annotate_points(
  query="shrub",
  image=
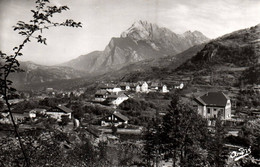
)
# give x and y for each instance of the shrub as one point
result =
(136, 105)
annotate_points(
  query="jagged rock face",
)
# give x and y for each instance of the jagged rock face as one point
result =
(141, 41)
(164, 39)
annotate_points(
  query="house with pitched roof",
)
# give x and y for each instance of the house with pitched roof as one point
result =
(110, 87)
(19, 116)
(114, 119)
(163, 88)
(59, 111)
(101, 95)
(142, 87)
(214, 104)
(125, 86)
(178, 85)
(153, 86)
(115, 99)
(133, 86)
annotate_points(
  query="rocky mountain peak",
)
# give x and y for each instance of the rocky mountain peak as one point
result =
(141, 41)
(139, 30)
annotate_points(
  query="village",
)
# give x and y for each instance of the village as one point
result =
(109, 97)
(118, 113)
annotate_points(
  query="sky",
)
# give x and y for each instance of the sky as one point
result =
(104, 19)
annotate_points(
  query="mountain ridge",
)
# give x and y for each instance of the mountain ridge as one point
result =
(35, 73)
(140, 42)
(230, 60)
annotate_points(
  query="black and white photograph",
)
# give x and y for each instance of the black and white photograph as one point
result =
(130, 83)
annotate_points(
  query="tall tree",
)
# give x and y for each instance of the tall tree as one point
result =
(184, 135)
(42, 20)
(251, 133)
(152, 146)
(217, 155)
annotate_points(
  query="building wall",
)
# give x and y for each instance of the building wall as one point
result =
(104, 123)
(99, 99)
(112, 120)
(119, 100)
(202, 111)
(144, 87)
(137, 89)
(32, 115)
(228, 110)
(116, 90)
(212, 112)
(127, 88)
(164, 89)
(57, 115)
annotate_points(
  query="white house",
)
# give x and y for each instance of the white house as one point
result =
(179, 86)
(214, 104)
(125, 86)
(59, 111)
(163, 88)
(114, 119)
(138, 88)
(144, 87)
(116, 89)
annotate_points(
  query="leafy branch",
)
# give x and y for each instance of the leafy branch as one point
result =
(9, 64)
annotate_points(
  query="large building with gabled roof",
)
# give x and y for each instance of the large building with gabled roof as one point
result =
(214, 104)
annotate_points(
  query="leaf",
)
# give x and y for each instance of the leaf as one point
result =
(12, 89)
(18, 64)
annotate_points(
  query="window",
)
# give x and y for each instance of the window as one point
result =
(109, 118)
(215, 109)
(208, 110)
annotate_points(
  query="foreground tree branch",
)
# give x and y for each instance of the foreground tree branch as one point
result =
(9, 63)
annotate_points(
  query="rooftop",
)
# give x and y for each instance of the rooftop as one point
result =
(101, 92)
(63, 108)
(118, 114)
(213, 99)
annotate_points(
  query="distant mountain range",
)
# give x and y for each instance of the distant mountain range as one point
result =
(35, 73)
(142, 41)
